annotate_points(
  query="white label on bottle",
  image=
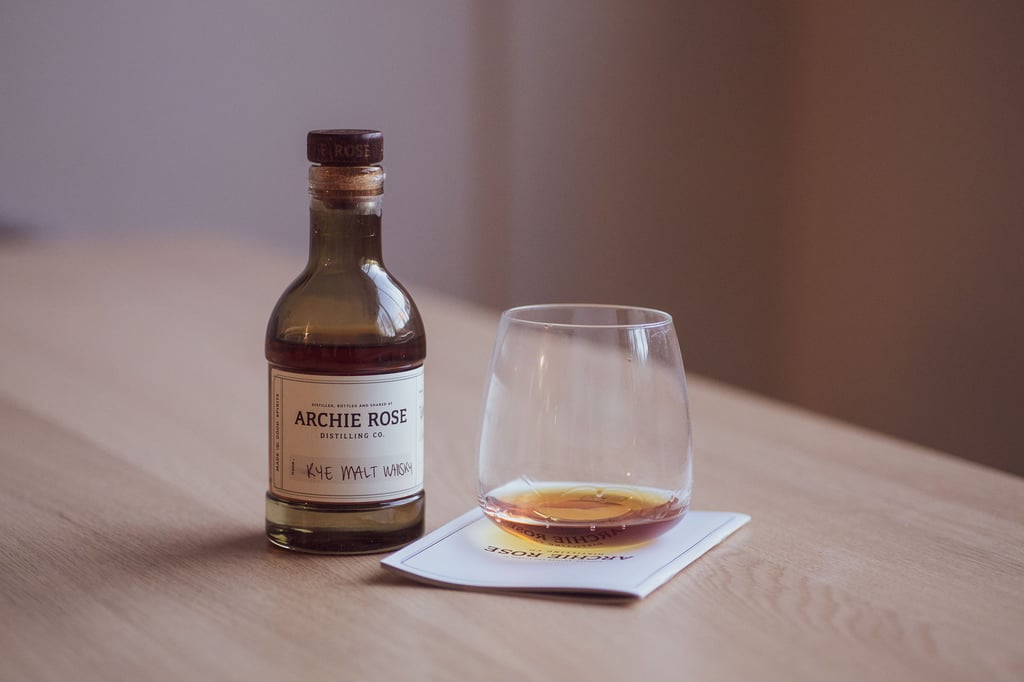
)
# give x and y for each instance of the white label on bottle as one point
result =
(346, 438)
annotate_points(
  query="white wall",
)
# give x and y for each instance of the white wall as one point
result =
(130, 116)
(904, 221)
(826, 195)
(536, 151)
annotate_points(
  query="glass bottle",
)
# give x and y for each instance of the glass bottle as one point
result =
(345, 346)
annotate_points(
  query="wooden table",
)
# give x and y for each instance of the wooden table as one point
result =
(132, 474)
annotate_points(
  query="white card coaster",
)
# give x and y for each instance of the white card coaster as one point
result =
(470, 552)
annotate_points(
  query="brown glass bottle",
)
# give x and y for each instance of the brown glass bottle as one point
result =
(345, 346)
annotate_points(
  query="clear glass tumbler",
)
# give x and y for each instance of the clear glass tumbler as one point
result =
(585, 436)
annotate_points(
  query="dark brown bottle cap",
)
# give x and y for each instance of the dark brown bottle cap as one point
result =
(345, 147)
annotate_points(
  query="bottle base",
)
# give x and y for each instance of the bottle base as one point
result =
(344, 529)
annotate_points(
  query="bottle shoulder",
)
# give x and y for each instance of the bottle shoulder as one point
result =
(356, 318)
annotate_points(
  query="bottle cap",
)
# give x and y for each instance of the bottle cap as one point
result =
(345, 147)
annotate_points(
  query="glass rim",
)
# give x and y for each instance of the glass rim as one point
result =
(656, 318)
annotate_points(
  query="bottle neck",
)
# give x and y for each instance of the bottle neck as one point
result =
(346, 235)
(345, 216)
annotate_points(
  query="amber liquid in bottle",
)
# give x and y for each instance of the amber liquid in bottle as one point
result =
(345, 320)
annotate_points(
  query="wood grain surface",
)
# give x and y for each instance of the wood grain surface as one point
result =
(133, 468)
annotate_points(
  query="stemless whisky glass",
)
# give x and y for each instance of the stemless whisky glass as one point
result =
(585, 437)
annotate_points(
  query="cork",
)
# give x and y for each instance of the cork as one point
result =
(346, 181)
